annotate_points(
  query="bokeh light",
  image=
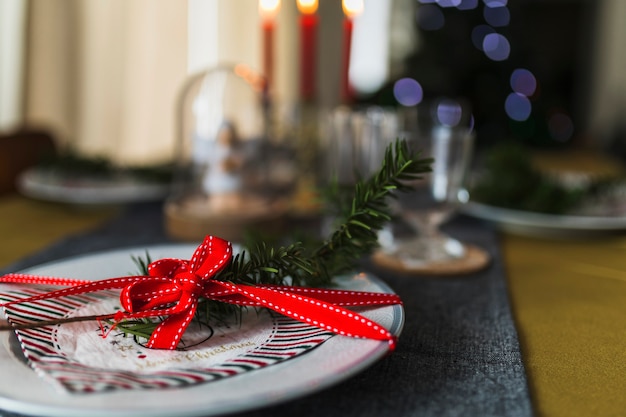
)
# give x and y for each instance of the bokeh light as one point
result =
(560, 126)
(497, 16)
(479, 33)
(496, 47)
(517, 107)
(449, 112)
(449, 3)
(495, 3)
(523, 82)
(430, 17)
(467, 5)
(408, 92)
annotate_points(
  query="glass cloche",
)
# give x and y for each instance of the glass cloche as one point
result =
(226, 181)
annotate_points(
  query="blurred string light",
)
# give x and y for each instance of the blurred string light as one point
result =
(452, 113)
(478, 35)
(523, 82)
(496, 47)
(459, 4)
(467, 5)
(497, 16)
(517, 107)
(408, 92)
(485, 38)
(495, 3)
(449, 113)
(449, 3)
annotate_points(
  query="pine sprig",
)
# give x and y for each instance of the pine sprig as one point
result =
(142, 263)
(354, 237)
(267, 265)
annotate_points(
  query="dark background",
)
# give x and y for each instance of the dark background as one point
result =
(551, 38)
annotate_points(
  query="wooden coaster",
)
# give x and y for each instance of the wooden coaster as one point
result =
(474, 260)
(194, 218)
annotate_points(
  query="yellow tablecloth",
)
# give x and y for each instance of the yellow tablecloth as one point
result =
(27, 225)
(568, 299)
(569, 303)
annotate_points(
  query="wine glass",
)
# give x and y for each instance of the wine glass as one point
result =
(442, 130)
(354, 147)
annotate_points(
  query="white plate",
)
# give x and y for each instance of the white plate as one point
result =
(548, 225)
(335, 360)
(42, 185)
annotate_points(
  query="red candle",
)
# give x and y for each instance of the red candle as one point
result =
(351, 8)
(268, 10)
(308, 48)
(346, 93)
(268, 51)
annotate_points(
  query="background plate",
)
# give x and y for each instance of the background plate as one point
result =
(41, 185)
(544, 225)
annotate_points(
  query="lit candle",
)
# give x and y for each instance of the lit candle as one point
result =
(268, 10)
(351, 9)
(308, 48)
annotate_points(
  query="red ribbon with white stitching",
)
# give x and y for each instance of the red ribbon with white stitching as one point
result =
(173, 287)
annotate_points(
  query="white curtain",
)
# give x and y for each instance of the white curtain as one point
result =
(12, 42)
(103, 75)
(608, 92)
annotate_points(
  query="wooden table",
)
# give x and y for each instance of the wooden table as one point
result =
(568, 299)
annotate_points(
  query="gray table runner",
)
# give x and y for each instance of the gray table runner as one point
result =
(458, 354)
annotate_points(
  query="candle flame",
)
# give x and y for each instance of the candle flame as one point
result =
(352, 8)
(269, 8)
(307, 6)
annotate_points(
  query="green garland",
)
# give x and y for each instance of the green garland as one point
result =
(71, 163)
(512, 181)
(299, 265)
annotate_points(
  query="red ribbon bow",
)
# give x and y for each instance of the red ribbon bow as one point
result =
(174, 286)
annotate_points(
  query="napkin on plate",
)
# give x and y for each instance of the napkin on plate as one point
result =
(77, 358)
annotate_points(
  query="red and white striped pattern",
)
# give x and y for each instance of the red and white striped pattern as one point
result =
(288, 339)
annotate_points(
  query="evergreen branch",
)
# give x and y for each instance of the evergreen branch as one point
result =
(267, 265)
(142, 263)
(354, 238)
(357, 235)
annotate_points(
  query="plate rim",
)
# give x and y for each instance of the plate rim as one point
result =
(507, 216)
(29, 184)
(375, 351)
